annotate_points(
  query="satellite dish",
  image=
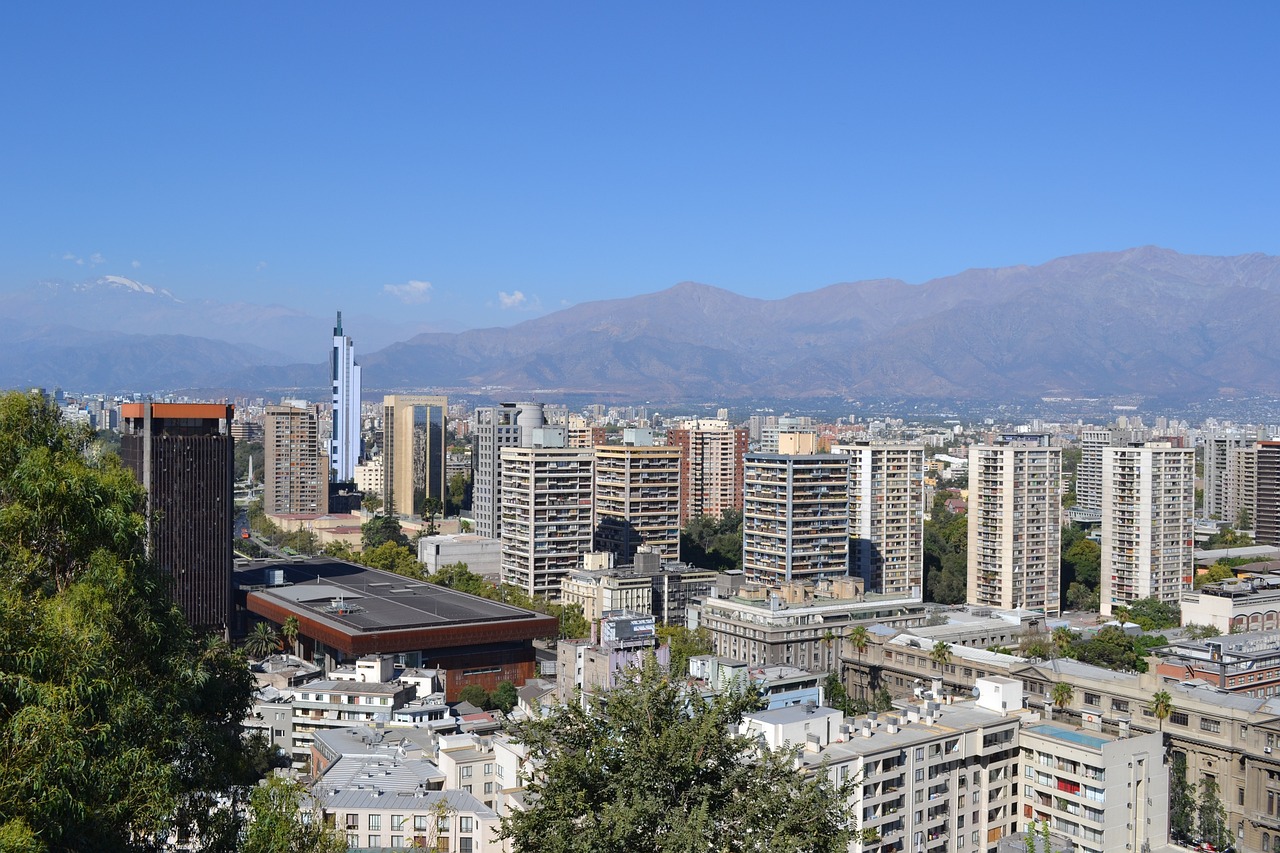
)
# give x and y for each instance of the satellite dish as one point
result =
(976, 692)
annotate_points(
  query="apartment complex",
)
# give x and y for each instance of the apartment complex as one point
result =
(1148, 508)
(1088, 508)
(548, 521)
(886, 517)
(795, 516)
(711, 467)
(296, 476)
(183, 455)
(497, 427)
(648, 586)
(637, 497)
(414, 452)
(1266, 521)
(1217, 463)
(344, 422)
(1015, 537)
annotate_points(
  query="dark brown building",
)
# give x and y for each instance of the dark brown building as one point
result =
(183, 455)
(1267, 521)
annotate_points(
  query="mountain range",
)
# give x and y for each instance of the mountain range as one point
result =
(1147, 321)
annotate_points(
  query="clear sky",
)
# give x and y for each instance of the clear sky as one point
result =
(480, 163)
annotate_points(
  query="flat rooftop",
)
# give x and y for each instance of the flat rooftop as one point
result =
(364, 599)
(1076, 737)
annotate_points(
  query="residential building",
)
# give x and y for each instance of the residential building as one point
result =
(183, 455)
(637, 497)
(548, 521)
(1246, 663)
(648, 585)
(332, 704)
(1266, 522)
(886, 517)
(1249, 603)
(370, 477)
(344, 423)
(1088, 507)
(390, 812)
(1217, 464)
(1148, 509)
(414, 450)
(775, 427)
(711, 467)
(1240, 503)
(795, 516)
(579, 433)
(498, 427)
(296, 467)
(595, 667)
(1015, 534)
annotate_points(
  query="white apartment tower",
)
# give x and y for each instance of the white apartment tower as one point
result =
(886, 517)
(496, 428)
(344, 436)
(795, 513)
(547, 513)
(1015, 537)
(637, 497)
(1088, 508)
(1217, 463)
(1148, 508)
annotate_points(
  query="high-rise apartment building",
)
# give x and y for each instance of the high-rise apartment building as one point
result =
(183, 455)
(1217, 463)
(1266, 524)
(795, 513)
(1015, 535)
(296, 467)
(497, 427)
(774, 427)
(886, 517)
(547, 517)
(1148, 509)
(711, 457)
(637, 497)
(344, 430)
(1241, 489)
(1088, 508)
(414, 452)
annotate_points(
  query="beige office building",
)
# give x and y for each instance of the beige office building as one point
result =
(296, 479)
(1015, 536)
(413, 452)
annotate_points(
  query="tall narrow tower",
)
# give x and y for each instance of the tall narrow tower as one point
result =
(344, 441)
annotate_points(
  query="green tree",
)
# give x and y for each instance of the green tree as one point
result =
(1182, 801)
(504, 697)
(940, 654)
(476, 695)
(713, 543)
(431, 507)
(1200, 632)
(289, 631)
(261, 641)
(381, 529)
(459, 497)
(1161, 706)
(1081, 597)
(117, 723)
(684, 644)
(392, 557)
(338, 550)
(837, 696)
(1063, 637)
(655, 768)
(246, 450)
(1152, 614)
(859, 639)
(1219, 571)
(277, 825)
(371, 502)
(1211, 816)
(1061, 695)
(946, 553)
(458, 576)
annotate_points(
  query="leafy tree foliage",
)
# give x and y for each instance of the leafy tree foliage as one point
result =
(277, 826)
(459, 496)
(1200, 632)
(1228, 537)
(684, 644)
(246, 450)
(1113, 648)
(116, 722)
(713, 543)
(1182, 801)
(1152, 614)
(1211, 816)
(391, 557)
(654, 768)
(573, 625)
(504, 697)
(1219, 571)
(1081, 568)
(262, 640)
(946, 553)
(475, 694)
(380, 529)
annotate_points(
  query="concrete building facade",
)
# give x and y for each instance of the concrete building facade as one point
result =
(795, 516)
(1148, 512)
(711, 467)
(414, 450)
(496, 428)
(1015, 536)
(296, 476)
(886, 517)
(1266, 522)
(637, 498)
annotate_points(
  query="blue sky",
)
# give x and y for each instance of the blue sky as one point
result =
(477, 164)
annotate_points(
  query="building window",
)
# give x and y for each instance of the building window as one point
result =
(465, 824)
(375, 840)
(397, 822)
(353, 840)
(375, 821)
(466, 772)
(464, 845)
(1093, 699)
(1179, 718)
(397, 841)
(420, 823)
(1210, 725)
(1120, 705)
(353, 821)
(488, 770)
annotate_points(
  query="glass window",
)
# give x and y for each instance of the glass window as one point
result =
(419, 823)
(465, 823)
(375, 821)
(1210, 725)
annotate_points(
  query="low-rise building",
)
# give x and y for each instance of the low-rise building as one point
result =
(1250, 603)
(482, 556)
(1236, 663)
(648, 585)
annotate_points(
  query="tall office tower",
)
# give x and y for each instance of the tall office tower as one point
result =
(1088, 508)
(296, 468)
(1148, 509)
(1217, 453)
(1015, 536)
(1241, 490)
(344, 431)
(547, 518)
(414, 452)
(637, 497)
(1266, 523)
(886, 517)
(711, 454)
(496, 427)
(183, 455)
(795, 516)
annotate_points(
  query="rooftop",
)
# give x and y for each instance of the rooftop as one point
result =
(1077, 737)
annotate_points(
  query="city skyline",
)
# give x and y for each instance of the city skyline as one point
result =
(461, 168)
